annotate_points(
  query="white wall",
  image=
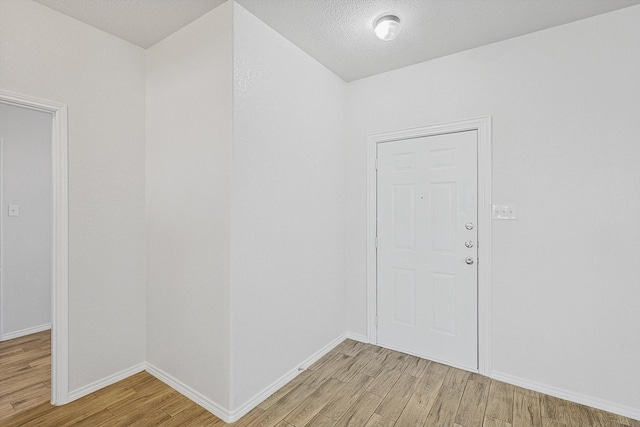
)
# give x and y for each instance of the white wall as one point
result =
(288, 207)
(565, 113)
(188, 125)
(101, 78)
(25, 285)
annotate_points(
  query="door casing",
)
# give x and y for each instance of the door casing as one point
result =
(60, 240)
(483, 126)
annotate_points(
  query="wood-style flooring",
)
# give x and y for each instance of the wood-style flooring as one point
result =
(356, 385)
(25, 373)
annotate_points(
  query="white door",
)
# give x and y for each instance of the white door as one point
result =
(427, 271)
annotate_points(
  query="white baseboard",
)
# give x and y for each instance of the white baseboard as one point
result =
(211, 406)
(358, 337)
(23, 332)
(208, 404)
(280, 382)
(111, 379)
(569, 395)
(232, 416)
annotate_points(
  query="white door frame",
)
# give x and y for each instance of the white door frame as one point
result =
(60, 240)
(483, 126)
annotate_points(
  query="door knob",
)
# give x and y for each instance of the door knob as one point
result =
(469, 260)
(468, 244)
(469, 226)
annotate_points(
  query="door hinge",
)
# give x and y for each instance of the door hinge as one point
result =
(376, 241)
(376, 164)
(376, 320)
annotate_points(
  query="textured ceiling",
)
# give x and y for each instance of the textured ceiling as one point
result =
(141, 22)
(338, 33)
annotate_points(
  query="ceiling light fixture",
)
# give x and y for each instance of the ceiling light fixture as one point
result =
(387, 27)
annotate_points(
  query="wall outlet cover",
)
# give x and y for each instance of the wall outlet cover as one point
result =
(504, 212)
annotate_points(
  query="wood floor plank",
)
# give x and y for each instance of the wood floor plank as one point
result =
(546, 422)
(205, 419)
(12, 371)
(346, 346)
(603, 418)
(526, 411)
(625, 421)
(35, 377)
(313, 404)
(94, 419)
(323, 360)
(282, 407)
(384, 382)
(473, 376)
(417, 367)
(578, 415)
(352, 367)
(394, 402)
(321, 421)
(249, 419)
(429, 385)
(277, 395)
(20, 419)
(385, 359)
(343, 400)
(456, 378)
(318, 377)
(378, 421)
(397, 360)
(151, 418)
(361, 411)
(526, 392)
(27, 356)
(352, 348)
(473, 404)
(43, 362)
(39, 393)
(129, 414)
(6, 410)
(156, 393)
(183, 417)
(500, 401)
(621, 420)
(66, 416)
(494, 422)
(175, 406)
(416, 411)
(555, 409)
(444, 408)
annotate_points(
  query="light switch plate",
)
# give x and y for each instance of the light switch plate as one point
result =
(13, 210)
(504, 212)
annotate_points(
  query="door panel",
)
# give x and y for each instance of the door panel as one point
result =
(427, 293)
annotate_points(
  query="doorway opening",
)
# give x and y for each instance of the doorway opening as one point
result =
(481, 127)
(59, 237)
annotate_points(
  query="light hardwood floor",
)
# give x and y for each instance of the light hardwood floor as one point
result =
(25, 373)
(354, 385)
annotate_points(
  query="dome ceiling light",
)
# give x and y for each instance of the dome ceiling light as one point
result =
(387, 27)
